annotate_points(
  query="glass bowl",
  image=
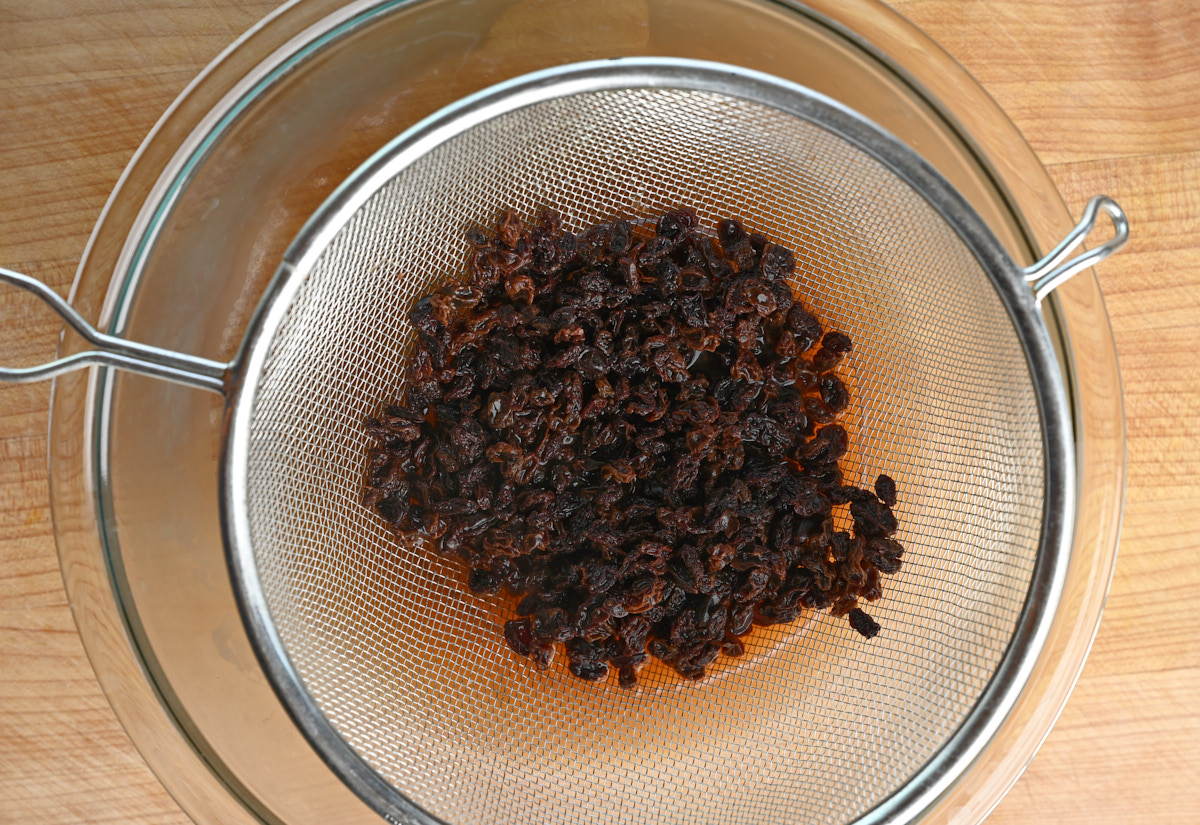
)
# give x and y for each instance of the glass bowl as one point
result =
(197, 226)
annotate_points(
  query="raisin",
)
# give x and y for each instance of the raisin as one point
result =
(873, 518)
(818, 411)
(863, 623)
(730, 233)
(885, 488)
(617, 432)
(834, 393)
(886, 553)
(805, 328)
(589, 670)
(519, 635)
(483, 580)
(626, 676)
(837, 342)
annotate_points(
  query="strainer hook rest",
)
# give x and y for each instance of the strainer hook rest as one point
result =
(111, 351)
(1055, 269)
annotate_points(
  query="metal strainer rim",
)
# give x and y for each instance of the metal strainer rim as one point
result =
(922, 789)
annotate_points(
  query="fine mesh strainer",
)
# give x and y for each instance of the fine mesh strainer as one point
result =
(400, 677)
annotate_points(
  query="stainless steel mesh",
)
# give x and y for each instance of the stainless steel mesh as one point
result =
(814, 724)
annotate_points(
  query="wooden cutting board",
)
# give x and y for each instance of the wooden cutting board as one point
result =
(1106, 91)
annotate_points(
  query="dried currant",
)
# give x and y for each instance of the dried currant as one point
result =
(630, 434)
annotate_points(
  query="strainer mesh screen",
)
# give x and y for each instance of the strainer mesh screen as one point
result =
(814, 724)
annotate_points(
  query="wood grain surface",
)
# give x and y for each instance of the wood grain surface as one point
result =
(1106, 91)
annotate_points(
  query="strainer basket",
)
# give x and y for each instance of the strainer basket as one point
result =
(400, 678)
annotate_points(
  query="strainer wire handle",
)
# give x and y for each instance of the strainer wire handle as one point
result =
(1055, 269)
(111, 351)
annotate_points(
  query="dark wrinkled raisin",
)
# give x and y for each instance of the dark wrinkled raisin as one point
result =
(590, 670)
(834, 347)
(886, 553)
(824, 360)
(873, 518)
(863, 623)
(777, 262)
(483, 580)
(805, 328)
(631, 436)
(837, 342)
(885, 488)
(677, 223)
(827, 446)
(730, 233)
(817, 410)
(519, 635)
(626, 676)
(834, 393)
